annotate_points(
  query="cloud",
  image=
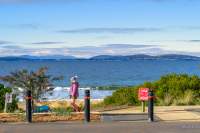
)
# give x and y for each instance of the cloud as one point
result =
(187, 41)
(11, 47)
(4, 42)
(86, 51)
(110, 30)
(110, 49)
(128, 30)
(89, 51)
(47, 43)
(194, 40)
(127, 46)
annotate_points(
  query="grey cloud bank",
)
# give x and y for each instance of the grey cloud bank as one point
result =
(4, 42)
(89, 51)
(47, 43)
(194, 40)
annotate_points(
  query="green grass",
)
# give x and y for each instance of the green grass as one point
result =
(62, 111)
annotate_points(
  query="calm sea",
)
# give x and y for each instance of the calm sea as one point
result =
(105, 73)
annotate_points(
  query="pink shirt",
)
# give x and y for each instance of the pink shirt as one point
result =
(74, 89)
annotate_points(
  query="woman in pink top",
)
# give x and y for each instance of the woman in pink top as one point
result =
(74, 93)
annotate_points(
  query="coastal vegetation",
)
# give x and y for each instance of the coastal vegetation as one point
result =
(38, 81)
(171, 89)
(11, 106)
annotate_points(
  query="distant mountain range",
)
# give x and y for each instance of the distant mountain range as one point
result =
(104, 57)
(145, 57)
(28, 57)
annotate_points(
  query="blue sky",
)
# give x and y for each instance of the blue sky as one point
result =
(85, 28)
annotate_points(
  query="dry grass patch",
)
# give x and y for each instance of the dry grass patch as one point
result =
(6, 117)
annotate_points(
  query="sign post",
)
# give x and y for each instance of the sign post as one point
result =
(8, 99)
(87, 106)
(143, 106)
(143, 96)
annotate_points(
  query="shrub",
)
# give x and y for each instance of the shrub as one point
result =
(171, 89)
(186, 99)
(11, 106)
(122, 96)
(166, 101)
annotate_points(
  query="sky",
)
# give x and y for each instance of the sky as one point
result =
(85, 28)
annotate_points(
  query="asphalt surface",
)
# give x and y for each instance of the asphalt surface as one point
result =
(111, 127)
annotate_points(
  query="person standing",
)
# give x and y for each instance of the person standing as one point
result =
(74, 93)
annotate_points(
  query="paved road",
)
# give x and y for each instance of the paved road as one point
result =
(114, 127)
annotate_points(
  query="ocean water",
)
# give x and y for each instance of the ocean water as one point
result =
(60, 93)
(105, 73)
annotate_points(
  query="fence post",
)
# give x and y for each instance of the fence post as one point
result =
(28, 106)
(87, 106)
(151, 106)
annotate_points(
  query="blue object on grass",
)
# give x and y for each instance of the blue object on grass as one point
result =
(44, 108)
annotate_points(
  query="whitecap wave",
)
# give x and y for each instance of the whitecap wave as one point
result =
(62, 93)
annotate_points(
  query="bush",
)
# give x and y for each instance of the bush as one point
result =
(171, 89)
(186, 99)
(122, 96)
(166, 101)
(11, 106)
(178, 89)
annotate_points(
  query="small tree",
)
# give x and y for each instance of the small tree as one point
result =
(12, 106)
(38, 82)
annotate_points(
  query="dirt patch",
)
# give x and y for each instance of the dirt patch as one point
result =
(54, 117)
(11, 117)
(46, 117)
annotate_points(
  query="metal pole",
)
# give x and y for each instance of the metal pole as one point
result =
(143, 106)
(87, 106)
(5, 107)
(28, 106)
(151, 106)
(6, 103)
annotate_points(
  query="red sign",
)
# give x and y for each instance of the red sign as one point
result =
(143, 94)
